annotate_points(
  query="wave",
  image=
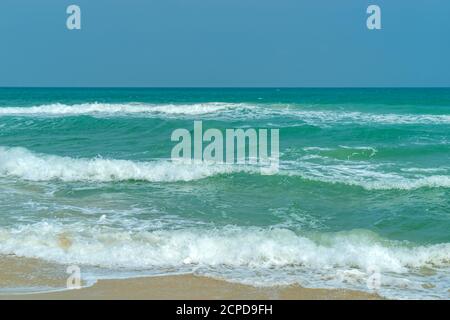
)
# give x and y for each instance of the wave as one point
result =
(24, 164)
(363, 174)
(232, 246)
(396, 182)
(274, 253)
(225, 111)
(343, 117)
(343, 152)
(59, 109)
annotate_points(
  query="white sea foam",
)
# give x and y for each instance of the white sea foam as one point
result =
(59, 109)
(329, 258)
(232, 246)
(223, 110)
(24, 164)
(20, 162)
(363, 174)
(344, 117)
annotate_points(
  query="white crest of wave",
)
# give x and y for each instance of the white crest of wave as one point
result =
(345, 117)
(258, 256)
(372, 180)
(225, 110)
(22, 163)
(362, 174)
(58, 109)
(228, 246)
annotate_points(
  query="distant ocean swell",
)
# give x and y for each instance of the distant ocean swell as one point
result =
(221, 110)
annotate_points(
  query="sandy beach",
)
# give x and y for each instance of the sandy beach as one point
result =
(188, 287)
(24, 273)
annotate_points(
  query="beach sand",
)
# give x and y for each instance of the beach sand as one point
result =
(19, 272)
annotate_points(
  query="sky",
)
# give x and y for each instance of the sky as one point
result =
(225, 43)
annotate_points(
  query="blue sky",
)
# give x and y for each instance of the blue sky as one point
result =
(198, 43)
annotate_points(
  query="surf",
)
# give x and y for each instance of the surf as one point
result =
(279, 256)
(27, 165)
(20, 162)
(227, 111)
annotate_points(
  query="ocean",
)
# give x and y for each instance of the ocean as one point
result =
(361, 199)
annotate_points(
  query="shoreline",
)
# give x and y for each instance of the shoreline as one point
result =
(188, 287)
(18, 272)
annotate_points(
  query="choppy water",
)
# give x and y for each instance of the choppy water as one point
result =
(363, 186)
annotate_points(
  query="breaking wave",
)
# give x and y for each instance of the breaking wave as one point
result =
(24, 164)
(223, 110)
(281, 255)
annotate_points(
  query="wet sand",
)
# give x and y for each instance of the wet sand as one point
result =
(182, 287)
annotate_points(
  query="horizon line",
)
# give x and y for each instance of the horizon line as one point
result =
(225, 87)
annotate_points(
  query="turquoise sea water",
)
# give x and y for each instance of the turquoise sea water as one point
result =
(362, 193)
